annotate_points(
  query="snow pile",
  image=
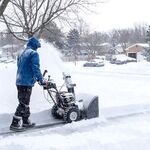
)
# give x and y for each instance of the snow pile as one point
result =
(92, 134)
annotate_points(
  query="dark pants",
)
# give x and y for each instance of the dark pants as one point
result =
(23, 109)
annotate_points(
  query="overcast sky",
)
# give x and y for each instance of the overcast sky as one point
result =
(120, 14)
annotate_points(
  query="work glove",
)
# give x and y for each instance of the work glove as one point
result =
(42, 82)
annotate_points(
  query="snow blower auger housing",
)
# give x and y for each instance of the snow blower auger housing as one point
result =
(65, 104)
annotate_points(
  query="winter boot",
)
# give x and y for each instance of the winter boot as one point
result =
(27, 123)
(16, 124)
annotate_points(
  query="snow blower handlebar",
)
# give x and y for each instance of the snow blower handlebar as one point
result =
(44, 73)
(49, 83)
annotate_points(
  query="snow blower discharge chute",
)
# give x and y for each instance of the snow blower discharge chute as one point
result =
(66, 105)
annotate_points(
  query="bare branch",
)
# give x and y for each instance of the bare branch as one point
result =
(9, 29)
(31, 16)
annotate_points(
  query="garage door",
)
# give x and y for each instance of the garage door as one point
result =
(133, 55)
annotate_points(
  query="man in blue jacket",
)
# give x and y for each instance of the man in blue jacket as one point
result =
(28, 73)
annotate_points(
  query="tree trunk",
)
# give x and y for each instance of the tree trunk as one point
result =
(3, 6)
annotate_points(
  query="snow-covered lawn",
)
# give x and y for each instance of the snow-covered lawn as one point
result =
(122, 90)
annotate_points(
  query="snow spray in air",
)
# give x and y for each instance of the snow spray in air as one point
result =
(50, 59)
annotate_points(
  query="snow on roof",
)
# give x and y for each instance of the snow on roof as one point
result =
(144, 45)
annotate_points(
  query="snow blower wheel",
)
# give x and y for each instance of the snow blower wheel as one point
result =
(71, 114)
(54, 112)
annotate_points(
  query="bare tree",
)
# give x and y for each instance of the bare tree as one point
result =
(93, 43)
(3, 5)
(139, 33)
(29, 17)
(126, 37)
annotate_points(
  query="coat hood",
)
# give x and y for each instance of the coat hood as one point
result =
(33, 43)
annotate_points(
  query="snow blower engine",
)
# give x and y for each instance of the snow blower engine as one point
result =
(66, 106)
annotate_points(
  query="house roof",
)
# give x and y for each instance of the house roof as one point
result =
(144, 45)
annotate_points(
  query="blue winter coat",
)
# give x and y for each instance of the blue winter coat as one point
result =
(28, 71)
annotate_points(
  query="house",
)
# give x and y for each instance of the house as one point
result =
(136, 50)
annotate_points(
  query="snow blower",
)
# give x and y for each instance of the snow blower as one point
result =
(66, 105)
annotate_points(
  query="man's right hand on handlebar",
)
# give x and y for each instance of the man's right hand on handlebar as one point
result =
(43, 82)
(47, 84)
